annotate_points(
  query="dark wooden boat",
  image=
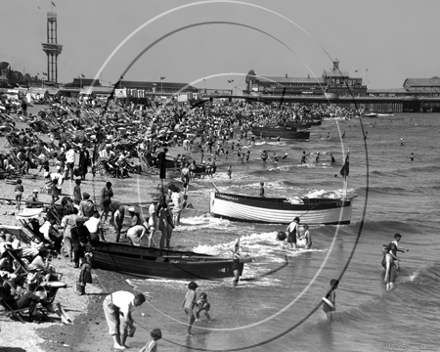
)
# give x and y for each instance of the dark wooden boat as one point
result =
(274, 129)
(146, 262)
(282, 134)
(200, 170)
(303, 124)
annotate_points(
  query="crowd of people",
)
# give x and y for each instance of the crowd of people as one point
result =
(71, 139)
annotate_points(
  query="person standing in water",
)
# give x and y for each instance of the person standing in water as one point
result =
(261, 189)
(189, 304)
(230, 171)
(412, 157)
(292, 232)
(304, 158)
(264, 156)
(329, 301)
(390, 261)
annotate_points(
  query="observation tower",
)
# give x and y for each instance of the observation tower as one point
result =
(52, 48)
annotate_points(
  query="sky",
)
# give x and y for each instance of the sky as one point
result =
(385, 41)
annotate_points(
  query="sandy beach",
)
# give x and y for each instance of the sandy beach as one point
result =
(89, 330)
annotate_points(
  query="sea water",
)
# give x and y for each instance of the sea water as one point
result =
(276, 304)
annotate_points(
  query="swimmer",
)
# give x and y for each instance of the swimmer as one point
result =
(264, 156)
(412, 157)
(401, 141)
(317, 157)
(285, 156)
(261, 189)
(304, 158)
(333, 158)
(329, 300)
(390, 260)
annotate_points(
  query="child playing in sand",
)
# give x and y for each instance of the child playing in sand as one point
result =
(151, 346)
(203, 306)
(19, 189)
(188, 305)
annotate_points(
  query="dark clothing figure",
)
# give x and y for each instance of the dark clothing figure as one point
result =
(85, 276)
(84, 162)
(80, 239)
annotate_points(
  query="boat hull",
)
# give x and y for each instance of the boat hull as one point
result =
(279, 211)
(145, 262)
(282, 134)
(300, 125)
(274, 129)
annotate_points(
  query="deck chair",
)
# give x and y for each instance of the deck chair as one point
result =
(8, 311)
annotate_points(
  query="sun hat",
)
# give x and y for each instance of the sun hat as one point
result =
(35, 191)
(132, 209)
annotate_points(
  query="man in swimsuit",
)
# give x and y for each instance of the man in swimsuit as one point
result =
(304, 158)
(390, 261)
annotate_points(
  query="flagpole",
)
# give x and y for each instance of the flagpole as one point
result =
(344, 195)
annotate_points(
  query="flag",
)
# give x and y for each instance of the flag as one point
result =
(161, 78)
(230, 80)
(83, 76)
(345, 168)
(44, 73)
(53, 4)
(356, 71)
(237, 246)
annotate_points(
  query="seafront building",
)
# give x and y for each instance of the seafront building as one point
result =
(332, 87)
(333, 83)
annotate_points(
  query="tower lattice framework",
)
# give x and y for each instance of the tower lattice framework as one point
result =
(52, 48)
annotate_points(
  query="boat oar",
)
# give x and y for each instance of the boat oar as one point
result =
(195, 257)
